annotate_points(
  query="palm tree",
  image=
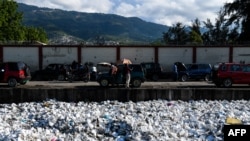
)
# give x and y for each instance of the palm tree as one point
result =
(239, 15)
(176, 34)
(195, 33)
(196, 25)
(219, 33)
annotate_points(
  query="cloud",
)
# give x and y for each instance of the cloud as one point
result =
(167, 12)
(92, 6)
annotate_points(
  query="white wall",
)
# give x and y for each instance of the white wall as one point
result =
(167, 56)
(28, 55)
(138, 55)
(64, 55)
(97, 55)
(212, 55)
(241, 54)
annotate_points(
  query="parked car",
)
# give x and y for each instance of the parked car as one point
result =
(182, 71)
(14, 73)
(227, 74)
(93, 72)
(103, 67)
(137, 76)
(153, 71)
(199, 71)
(54, 71)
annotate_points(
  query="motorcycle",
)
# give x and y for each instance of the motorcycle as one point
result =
(78, 75)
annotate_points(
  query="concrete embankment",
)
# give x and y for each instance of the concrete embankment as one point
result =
(68, 94)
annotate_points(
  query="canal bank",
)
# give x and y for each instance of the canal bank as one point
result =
(93, 93)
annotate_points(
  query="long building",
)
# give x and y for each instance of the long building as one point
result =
(39, 56)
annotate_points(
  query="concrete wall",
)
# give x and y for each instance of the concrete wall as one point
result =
(58, 55)
(40, 56)
(167, 56)
(28, 55)
(18, 95)
(241, 54)
(212, 55)
(138, 55)
(96, 55)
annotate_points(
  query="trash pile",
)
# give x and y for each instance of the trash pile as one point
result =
(119, 121)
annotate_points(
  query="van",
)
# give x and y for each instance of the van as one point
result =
(199, 71)
(153, 71)
(13, 73)
(227, 74)
(137, 76)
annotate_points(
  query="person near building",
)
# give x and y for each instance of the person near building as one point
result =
(113, 72)
(74, 67)
(128, 75)
(175, 72)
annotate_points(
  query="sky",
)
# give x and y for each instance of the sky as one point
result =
(165, 12)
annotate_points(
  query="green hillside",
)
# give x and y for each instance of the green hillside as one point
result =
(90, 26)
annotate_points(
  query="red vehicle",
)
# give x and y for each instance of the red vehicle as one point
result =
(227, 74)
(14, 73)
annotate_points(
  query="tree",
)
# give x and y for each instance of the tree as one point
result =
(10, 21)
(176, 34)
(220, 32)
(11, 28)
(195, 34)
(33, 34)
(195, 38)
(239, 15)
(196, 26)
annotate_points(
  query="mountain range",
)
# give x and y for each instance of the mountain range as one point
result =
(73, 27)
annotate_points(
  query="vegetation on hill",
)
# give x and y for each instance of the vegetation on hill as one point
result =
(25, 23)
(92, 27)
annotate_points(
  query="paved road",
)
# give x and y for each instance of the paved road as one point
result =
(147, 84)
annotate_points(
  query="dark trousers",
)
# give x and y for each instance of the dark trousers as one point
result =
(175, 76)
